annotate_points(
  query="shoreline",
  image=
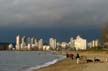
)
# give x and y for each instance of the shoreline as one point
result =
(49, 63)
(71, 65)
(65, 65)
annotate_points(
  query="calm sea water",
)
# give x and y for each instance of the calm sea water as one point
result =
(20, 61)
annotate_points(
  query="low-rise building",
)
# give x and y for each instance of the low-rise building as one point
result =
(10, 47)
(63, 45)
(46, 48)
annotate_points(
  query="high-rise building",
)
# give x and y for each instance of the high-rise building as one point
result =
(18, 42)
(52, 43)
(40, 44)
(23, 39)
(58, 44)
(90, 45)
(96, 43)
(93, 43)
(29, 47)
(23, 44)
(28, 40)
(72, 43)
(80, 43)
(32, 40)
(36, 43)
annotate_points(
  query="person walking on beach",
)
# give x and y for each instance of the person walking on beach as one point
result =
(77, 58)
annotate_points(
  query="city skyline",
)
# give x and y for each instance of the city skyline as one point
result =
(27, 44)
(33, 39)
(24, 43)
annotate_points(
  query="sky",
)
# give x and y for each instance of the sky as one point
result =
(61, 19)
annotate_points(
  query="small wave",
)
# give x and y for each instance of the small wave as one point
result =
(45, 65)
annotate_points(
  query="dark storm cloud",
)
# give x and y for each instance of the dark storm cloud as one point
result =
(52, 12)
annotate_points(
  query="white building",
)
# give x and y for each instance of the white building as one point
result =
(80, 43)
(40, 44)
(64, 45)
(29, 47)
(71, 42)
(36, 43)
(23, 44)
(46, 48)
(18, 42)
(52, 43)
(94, 43)
(10, 46)
(90, 45)
(28, 40)
(32, 40)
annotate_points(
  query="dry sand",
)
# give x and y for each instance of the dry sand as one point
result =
(70, 65)
(99, 66)
(96, 67)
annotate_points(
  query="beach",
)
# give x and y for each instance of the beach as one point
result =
(70, 65)
(65, 65)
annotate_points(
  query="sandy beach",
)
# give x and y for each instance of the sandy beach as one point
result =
(65, 65)
(71, 65)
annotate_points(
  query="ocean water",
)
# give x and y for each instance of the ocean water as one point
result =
(26, 61)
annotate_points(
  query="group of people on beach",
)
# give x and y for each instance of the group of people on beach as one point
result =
(71, 55)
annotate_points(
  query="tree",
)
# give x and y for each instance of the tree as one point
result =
(104, 34)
